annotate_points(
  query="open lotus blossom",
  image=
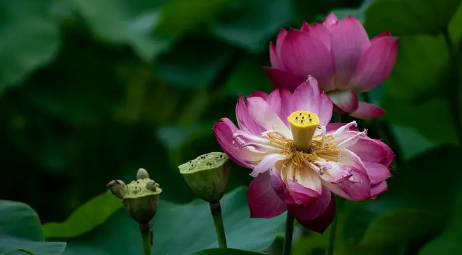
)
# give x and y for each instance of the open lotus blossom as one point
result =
(298, 158)
(340, 56)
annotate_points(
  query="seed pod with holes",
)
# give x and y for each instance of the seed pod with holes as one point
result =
(207, 175)
(140, 198)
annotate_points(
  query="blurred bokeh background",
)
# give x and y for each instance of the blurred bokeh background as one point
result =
(92, 90)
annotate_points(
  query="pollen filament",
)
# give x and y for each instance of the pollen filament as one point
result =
(303, 126)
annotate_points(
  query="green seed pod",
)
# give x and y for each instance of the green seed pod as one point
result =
(118, 188)
(207, 175)
(140, 198)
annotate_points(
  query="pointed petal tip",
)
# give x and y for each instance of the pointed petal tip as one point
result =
(305, 27)
(368, 111)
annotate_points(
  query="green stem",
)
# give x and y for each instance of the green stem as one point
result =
(453, 91)
(146, 237)
(215, 209)
(289, 234)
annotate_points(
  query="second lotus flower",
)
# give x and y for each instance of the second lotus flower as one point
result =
(340, 56)
(298, 158)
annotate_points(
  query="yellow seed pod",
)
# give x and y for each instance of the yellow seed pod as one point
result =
(303, 125)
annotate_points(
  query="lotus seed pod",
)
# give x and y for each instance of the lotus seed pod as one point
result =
(118, 188)
(207, 175)
(139, 198)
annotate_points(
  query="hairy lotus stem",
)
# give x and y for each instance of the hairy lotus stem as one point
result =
(215, 209)
(146, 237)
(288, 234)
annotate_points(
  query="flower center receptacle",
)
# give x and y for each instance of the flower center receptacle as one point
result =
(303, 126)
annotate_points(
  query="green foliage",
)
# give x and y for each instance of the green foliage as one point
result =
(250, 24)
(247, 77)
(121, 23)
(21, 231)
(433, 61)
(448, 242)
(29, 41)
(410, 17)
(197, 66)
(176, 228)
(194, 12)
(399, 110)
(84, 219)
(401, 226)
(93, 90)
(416, 189)
(225, 252)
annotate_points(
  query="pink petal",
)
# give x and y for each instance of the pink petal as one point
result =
(319, 31)
(311, 212)
(349, 39)
(293, 193)
(274, 59)
(325, 109)
(224, 134)
(377, 172)
(367, 111)
(334, 172)
(305, 27)
(305, 55)
(307, 98)
(262, 200)
(279, 44)
(267, 163)
(283, 79)
(378, 189)
(352, 137)
(357, 187)
(332, 127)
(264, 116)
(344, 132)
(346, 100)
(388, 152)
(330, 20)
(301, 194)
(321, 223)
(368, 150)
(347, 157)
(257, 93)
(357, 190)
(274, 100)
(286, 105)
(375, 64)
(244, 121)
(381, 35)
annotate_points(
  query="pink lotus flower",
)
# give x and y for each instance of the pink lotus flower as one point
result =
(298, 158)
(340, 56)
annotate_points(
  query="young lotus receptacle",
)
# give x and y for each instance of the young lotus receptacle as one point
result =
(207, 175)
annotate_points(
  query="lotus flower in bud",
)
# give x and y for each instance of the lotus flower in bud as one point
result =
(340, 56)
(298, 158)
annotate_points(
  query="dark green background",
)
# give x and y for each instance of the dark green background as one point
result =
(93, 90)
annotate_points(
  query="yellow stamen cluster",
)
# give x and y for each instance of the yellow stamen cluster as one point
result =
(303, 149)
